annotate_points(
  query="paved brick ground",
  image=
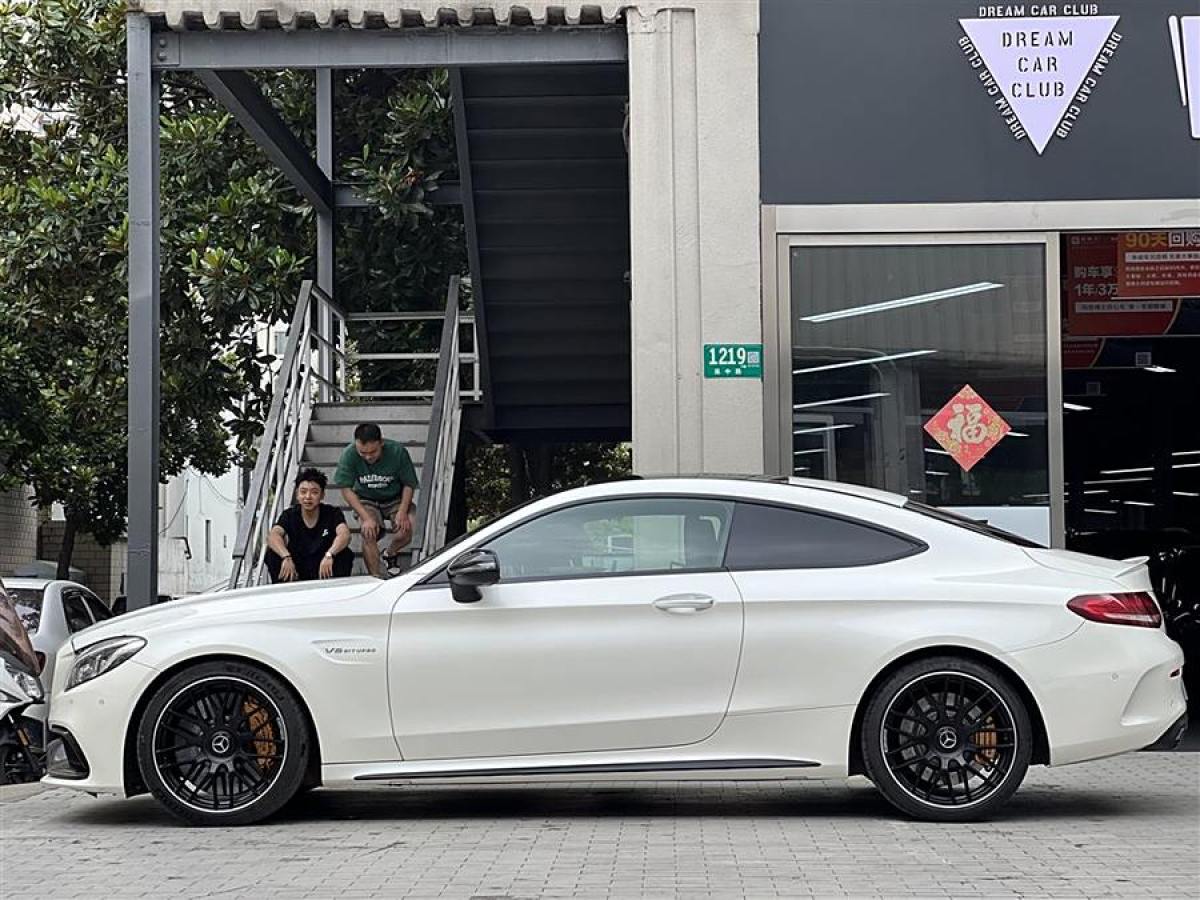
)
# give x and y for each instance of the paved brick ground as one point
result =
(1126, 827)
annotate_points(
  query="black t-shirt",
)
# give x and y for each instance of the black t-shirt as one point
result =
(309, 543)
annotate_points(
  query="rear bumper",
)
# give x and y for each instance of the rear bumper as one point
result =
(1105, 690)
(1172, 737)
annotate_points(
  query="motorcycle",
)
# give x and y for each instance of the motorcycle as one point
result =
(22, 744)
(22, 757)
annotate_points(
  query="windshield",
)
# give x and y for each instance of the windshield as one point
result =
(975, 525)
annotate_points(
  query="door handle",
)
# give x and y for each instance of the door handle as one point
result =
(684, 603)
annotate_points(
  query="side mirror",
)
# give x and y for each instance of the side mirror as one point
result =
(470, 571)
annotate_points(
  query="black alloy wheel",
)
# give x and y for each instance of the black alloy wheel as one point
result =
(947, 739)
(223, 744)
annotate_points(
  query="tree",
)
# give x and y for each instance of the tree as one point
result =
(236, 241)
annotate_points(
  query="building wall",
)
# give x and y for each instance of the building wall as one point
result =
(101, 564)
(198, 525)
(696, 264)
(18, 529)
(192, 506)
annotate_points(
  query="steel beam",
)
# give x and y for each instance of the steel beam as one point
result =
(463, 145)
(143, 88)
(241, 96)
(386, 49)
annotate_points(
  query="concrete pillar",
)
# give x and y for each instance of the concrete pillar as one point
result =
(696, 265)
(325, 225)
(143, 430)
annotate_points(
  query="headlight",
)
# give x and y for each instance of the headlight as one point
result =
(102, 657)
(26, 682)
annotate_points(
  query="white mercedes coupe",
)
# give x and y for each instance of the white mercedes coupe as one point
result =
(645, 629)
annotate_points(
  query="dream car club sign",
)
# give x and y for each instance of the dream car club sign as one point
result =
(1040, 63)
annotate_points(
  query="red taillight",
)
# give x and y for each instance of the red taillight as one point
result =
(41, 658)
(1118, 609)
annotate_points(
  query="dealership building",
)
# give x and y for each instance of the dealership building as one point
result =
(946, 248)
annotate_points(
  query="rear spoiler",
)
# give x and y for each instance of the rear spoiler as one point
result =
(1131, 565)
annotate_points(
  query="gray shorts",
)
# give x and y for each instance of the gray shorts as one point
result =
(384, 513)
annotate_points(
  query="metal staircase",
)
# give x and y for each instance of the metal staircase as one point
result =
(545, 181)
(313, 416)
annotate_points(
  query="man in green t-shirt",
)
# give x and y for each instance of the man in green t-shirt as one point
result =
(378, 480)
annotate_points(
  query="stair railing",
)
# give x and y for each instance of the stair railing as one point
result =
(465, 325)
(437, 475)
(313, 369)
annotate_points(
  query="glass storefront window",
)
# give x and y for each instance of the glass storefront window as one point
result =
(884, 336)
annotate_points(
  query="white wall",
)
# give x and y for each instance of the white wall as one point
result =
(195, 506)
(696, 264)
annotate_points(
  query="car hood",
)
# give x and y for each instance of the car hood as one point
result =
(1131, 574)
(225, 603)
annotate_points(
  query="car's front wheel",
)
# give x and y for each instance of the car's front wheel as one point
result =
(946, 739)
(223, 743)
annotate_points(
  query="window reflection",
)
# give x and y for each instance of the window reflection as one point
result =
(884, 336)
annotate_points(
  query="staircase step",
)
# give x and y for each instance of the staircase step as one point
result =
(342, 433)
(378, 412)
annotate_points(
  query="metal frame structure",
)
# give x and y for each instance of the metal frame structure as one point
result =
(222, 58)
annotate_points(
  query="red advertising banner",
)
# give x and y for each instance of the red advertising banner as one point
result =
(1081, 353)
(1158, 264)
(1094, 304)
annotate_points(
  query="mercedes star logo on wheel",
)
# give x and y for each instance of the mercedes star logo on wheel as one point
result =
(221, 743)
(947, 738)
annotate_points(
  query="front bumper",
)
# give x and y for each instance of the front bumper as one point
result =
(96, 717)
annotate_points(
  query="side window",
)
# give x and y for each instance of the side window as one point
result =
(75, 611)
(774, 537)
(99, 611)
(651, 534)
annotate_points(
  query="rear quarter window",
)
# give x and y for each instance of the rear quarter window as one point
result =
(29, 607)
(778, 537)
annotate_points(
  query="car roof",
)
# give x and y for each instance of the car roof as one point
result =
(15, 582)
(12, 581)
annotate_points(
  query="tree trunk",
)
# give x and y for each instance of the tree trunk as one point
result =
(519, 484)
(67, 549)
(543, 468)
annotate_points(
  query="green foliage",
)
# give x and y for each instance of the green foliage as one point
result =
(500, 477)
(236, 240)
(396, 140)
(235, 244)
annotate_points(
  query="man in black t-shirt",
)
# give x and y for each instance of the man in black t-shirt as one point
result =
(311, 539)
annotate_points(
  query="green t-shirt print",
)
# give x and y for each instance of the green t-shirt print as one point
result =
(379, 482)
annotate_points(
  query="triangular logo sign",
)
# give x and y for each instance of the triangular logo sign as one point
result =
(1039, 64)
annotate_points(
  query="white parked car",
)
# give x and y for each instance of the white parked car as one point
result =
(750, 628)
(51, 611)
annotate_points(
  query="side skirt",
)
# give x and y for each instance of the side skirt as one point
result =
(700, 765)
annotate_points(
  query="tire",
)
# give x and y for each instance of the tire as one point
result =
(18, 765)
(223, 743)
(946, 739)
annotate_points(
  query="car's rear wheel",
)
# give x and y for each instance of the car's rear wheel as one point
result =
(223, 743)
(946, 739)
